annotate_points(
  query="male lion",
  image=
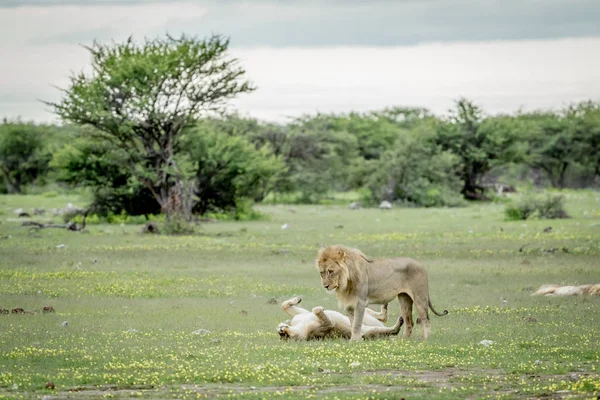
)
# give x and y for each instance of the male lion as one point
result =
(359, 281)
(320, 323)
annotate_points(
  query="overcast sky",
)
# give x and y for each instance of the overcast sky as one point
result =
(308, 56)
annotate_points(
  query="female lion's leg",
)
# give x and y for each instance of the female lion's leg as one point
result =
(370, 332)
(381, 315)
(290, 306)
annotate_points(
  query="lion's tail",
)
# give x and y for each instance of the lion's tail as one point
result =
(435, 312)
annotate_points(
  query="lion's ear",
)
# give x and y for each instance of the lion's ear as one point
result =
(341, 255)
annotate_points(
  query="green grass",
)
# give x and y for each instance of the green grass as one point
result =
(133, 301)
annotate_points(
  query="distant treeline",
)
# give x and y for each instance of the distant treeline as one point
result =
(396, 154)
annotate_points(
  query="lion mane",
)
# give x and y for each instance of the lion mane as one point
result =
(349, 265)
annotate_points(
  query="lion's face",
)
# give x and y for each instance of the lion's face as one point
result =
(332, 268)
(331, 272)
(283, 330)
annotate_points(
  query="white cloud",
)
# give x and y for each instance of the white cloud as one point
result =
(501, 76)
(81, 24)
(39, 48)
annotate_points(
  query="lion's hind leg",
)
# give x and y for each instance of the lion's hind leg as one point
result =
(406, 304)
(422, 309)
(371, 332)
(290, 306)
(323, 318)
(324, 325)
(381, 315)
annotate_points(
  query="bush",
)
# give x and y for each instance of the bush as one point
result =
(99, 166)
(425, 193)
(229, 170)
(24, 155)
(117, 219)
(178, 225)
(92, 219)
(513, 213)
(551, 207)
(365, 196)
(415, 172)
(548, 206)
(317, 160)
(522, 209)
(50, 194)
(242, 212)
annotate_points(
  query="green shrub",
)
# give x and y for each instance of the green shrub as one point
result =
(544, 206)
(123, 218)
(50, 194)
(24, 154)
(427, 194)
(100, 167)
(521, 209)
(365, 196)
(551, 206)
(91, 219)
(513, 213)
(417, 173)
(228, 170)
(177, 225)
(71, 215)
(120, 218)
(242, 212)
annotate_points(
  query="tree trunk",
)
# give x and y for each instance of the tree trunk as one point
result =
(552, 177)
(13, 186)
(562, 174)
(472, 190)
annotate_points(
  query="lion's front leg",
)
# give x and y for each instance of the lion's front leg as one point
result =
(357, 316)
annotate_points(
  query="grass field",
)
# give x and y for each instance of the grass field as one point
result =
(133, 303)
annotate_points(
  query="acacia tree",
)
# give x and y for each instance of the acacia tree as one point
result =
(142, 96)
(552, 146)
(481, 143)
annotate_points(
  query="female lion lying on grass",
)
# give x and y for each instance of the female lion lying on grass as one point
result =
(320, 323)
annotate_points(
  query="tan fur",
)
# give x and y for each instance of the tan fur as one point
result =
(545, 289)
(359, 281)
(593, 290)
(321, 324)
(557, 290)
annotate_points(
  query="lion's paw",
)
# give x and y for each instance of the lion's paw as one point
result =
(291, 302)
(318, 310)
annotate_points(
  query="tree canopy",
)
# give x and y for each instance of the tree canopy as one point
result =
(140, 96)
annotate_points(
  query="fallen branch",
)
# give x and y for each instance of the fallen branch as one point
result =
(70, 226)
